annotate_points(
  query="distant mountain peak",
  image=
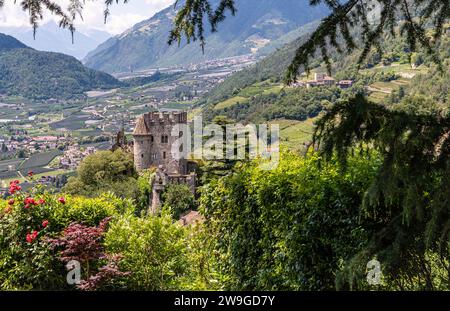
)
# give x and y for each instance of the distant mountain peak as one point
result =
(256, 24)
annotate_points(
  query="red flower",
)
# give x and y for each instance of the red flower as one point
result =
(32, 236)
(27, 206)
(45, 223)
(62, 200)
(41, 201)
(30, 201)
(11, 202)
(30, 173)
(14, 186)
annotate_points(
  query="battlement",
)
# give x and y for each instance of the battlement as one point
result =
(166, 117)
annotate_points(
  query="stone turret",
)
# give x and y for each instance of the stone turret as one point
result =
(153, 141)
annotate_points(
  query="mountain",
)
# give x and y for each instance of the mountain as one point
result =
(44, 75)
(9, 43)
(51, 38)
(257, 24)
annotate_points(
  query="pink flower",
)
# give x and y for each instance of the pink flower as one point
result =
(45, 223)
(62, 200)
(41, 201)
(11, 202)
(30, 173)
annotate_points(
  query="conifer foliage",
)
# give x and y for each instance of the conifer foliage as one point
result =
(412, 184)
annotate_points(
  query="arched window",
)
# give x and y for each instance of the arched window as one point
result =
(164, 139)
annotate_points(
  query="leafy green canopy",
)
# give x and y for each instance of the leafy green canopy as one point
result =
(304, 227)
(415, 147)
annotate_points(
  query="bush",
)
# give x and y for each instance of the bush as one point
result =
(104, 171)
(179, 199)
(290, 228)
(26, 259)
(153, 249)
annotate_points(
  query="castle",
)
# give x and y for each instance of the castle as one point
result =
(153, 142)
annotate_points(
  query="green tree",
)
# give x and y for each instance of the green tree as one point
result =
(105, 171)
(179, 199)
(412, 184)
(153, 249)
(291, 228)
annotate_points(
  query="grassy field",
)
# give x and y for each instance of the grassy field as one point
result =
(397, 68)
(4, 165)
(260, 88)
(293, 133)
(380, 90)
(231, 102)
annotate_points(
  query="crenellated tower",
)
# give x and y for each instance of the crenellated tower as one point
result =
(153, 141)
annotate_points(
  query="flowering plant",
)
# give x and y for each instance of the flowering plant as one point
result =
(29, 220)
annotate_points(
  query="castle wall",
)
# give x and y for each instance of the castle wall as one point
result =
(154, 148)
(142, 150)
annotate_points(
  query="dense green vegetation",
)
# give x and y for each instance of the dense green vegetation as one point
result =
(114, 172)
(295, 104)
(301, 226)
(44, 75)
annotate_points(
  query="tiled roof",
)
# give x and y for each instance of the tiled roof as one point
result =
(141, 127)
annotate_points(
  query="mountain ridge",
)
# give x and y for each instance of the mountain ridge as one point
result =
(42, 75)
(256, 24)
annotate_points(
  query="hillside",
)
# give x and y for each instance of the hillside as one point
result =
(257, 94)
(259, 23)
(43, 75)
(9, 43)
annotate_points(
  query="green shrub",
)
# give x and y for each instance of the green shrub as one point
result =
(153, 249)
(179, 199)
(33, 265)
(289, 228)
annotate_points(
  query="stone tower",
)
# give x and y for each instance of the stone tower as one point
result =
(153, 142)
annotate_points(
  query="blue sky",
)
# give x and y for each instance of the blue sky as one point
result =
(122, 16)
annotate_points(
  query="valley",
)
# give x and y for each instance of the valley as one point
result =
(43, 130)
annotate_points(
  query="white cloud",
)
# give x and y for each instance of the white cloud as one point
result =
(122, 17)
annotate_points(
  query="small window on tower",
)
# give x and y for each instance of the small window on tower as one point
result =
(164, 155)
(151, 138)
(180, 134)
(164, 139)
(142, 155)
